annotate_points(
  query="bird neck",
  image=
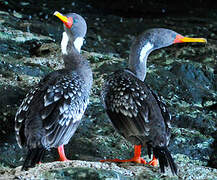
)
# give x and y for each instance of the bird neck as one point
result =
(73, 60)
(139, 52)
(77, 43)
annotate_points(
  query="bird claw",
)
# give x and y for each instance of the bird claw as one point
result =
(141, 161)
(63, 159)
(153, 162)
(136, 160)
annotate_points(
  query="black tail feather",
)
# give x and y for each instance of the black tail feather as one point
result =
(149, 150)
(164, 157)
(33, 157)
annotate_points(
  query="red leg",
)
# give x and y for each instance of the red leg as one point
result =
(153, 162)
(62, 153)
(137, 157)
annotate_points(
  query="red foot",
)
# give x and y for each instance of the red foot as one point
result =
(62, 153)
(64, 159)
(153, 162)
(137, 160)
(137, 157)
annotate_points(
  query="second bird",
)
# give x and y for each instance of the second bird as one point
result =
(51, 112)
(134, 110)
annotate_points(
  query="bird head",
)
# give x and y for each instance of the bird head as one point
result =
(75, 30)
(151, 40)
(74, 25)
(161, 37)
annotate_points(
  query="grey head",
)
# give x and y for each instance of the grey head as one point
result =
(158, 37)
(150, 40)
(75, 30)
(78, 28)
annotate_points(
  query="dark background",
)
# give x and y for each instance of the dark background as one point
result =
(125, 8)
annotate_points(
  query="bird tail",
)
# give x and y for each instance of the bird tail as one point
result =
(33, 157)
(164, 157)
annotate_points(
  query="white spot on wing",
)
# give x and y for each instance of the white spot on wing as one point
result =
(70, 94)
(138, 103)
(78, 43)
(64, 43)
(25, 107)
(65, 107)
(66, 96)
(68, 116)
(46, 101)
(126, 96)
(67, 122)
(43, 116)
(56, 98)
(144, 50)
(147, 129)
(79, 93)
(20, 120)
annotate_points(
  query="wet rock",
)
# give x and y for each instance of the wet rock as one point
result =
(83, 173)
(213, 157)
(192, 143)
(15, 42)
(9, 97)
(188, 89)
(195, 83)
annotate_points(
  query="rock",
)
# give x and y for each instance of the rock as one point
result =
(192, 144)
(9, 97)
(15, 42)
(213, 157)
(190, 91)
(83, 173)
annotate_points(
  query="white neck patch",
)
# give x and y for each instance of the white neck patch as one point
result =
(144, 50)
(64, 43)
(78, 43)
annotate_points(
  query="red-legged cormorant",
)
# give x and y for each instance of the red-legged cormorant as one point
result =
(51, 112)
(134, 110)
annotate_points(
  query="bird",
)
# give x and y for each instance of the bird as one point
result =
(52, 111)
(136, 112)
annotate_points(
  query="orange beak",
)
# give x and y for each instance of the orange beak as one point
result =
(181, 39)
(68, 21)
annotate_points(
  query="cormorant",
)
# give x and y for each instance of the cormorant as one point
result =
(134, 110)
(51, 112)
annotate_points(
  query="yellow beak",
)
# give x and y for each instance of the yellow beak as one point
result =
(188, 39)
(181, 39)
(61, 17)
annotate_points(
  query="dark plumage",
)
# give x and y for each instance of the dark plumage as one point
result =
(52, 110)
(135, 111)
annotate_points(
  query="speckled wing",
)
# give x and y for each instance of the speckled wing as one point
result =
(166, 115)
(133, 109)
(51, 112)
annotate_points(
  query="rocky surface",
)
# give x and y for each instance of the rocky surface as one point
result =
(183, 75)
